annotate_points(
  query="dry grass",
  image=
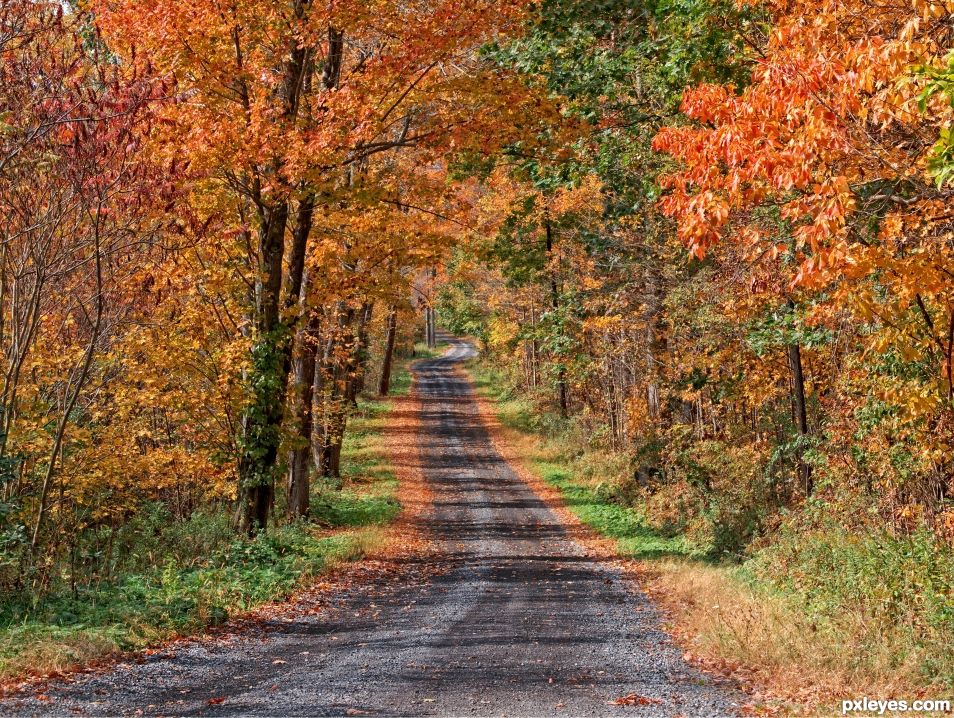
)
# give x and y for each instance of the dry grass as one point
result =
(727, 624)
(55, 655)
(790, 660)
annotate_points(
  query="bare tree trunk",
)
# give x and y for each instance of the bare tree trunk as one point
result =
(655, 344)
(801, 414)
(335, 373)
(430, 334)
(304, 364)
(555, 304)
(300, 459)
(360, 358)
(534, 349)
(350, 377)
(384, 385)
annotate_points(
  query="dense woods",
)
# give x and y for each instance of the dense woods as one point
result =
(748, 280)
(711, 241)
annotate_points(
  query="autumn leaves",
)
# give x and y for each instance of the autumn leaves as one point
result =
(317, 130)
(216, 216)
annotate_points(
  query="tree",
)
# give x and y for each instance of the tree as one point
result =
(78, 201)
(273, 140)
(829, 132)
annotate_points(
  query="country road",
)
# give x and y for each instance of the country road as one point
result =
(517, 621)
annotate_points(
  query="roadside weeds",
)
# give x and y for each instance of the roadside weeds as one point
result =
(787, 663)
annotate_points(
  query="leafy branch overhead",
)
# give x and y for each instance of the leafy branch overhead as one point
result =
(711, 241)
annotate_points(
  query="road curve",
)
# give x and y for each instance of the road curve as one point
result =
(518, 621)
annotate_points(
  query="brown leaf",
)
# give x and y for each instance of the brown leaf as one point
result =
(216, 701)
(634, 699)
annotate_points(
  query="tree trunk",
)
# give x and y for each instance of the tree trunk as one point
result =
(384, 385)
(335, 372)
(300, 457)
(70, 399)
(307, 338)
(655, 342)
(271, 353)
(801, 414)
(555, 305)
(262, 418)
(351, 375)
(429, 330)
(359, 366)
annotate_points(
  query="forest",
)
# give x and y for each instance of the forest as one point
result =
(705, 249)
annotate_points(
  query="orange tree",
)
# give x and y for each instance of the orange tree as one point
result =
(79, 209)
(280, 108)
(819, 171)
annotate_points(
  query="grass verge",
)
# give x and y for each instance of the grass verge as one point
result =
(422, 351)
(174, 592)
(802, 643)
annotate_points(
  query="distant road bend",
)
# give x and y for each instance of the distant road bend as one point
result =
(519, 621)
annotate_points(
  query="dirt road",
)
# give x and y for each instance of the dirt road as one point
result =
(519, 621)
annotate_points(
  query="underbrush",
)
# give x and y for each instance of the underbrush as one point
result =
(816, 613)
(166, 578)
(65, 629)
(893, 596)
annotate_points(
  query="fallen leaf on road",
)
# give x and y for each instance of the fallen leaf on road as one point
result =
(216, 701)
(634, 699)
(354, 712)
(279, 662)
(757, 709)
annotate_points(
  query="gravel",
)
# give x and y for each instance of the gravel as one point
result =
(515, 620)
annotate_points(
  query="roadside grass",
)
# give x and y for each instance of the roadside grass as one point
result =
(635, 539)
(178, 578)
(555, 461)
(365, 495)
(812, 619)
(422, 351)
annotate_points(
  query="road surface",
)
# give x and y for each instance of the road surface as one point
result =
(517, 621)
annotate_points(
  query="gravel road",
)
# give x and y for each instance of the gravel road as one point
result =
(518, 621)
